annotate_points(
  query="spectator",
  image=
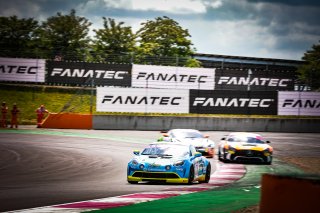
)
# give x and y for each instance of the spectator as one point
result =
(14, 116)
(4, 111)
(40, 115)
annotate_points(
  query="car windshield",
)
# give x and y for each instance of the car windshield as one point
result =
(247, 139)
(188, 134)
(166, 150)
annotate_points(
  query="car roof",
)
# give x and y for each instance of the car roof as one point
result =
(246, 134)
(170, 143)
(183, 130)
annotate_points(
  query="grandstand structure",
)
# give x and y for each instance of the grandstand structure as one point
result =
(226, 61)
(270, 65)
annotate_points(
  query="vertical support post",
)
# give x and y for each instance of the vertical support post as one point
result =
(91, 96)
(249, 78)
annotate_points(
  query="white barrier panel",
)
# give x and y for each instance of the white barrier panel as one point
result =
(299, 103)
(20, 69)
(150, 76)
(143, 100)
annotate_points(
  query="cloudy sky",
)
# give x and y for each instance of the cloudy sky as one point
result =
(282, 29)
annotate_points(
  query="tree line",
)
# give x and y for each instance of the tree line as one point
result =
(66, 37)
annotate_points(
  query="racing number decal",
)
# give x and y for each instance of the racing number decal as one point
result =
(198, 166)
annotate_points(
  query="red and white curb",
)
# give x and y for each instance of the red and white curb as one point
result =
(224, 175)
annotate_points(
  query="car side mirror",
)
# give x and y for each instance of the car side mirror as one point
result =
(136, 152)
(268, 142)
(223, 139)
(197, 154)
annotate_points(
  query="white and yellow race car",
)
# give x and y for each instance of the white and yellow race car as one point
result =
(244, 146)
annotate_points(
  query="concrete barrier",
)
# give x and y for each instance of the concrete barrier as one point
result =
(68, 121)
(118, 122)
(289, 194)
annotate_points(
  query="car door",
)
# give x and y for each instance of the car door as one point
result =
(198, 163)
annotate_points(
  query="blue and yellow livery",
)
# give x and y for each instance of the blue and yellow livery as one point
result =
(170, 163)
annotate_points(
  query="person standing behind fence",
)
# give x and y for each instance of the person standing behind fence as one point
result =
(4, 111)
(14, 116)
(40, 115)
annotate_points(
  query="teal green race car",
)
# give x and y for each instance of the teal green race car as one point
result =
(170, 163)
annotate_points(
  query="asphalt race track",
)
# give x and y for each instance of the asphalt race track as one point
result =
(49, 167)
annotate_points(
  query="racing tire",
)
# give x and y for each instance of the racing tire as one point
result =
(268, 162)
(132, 182)
(208, 174)
(224, 158)
(191, 175)
(219, 156)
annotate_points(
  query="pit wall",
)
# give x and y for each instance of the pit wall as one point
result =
(68, 121)
(205, 123)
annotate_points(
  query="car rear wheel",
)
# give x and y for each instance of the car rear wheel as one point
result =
(219, 155)
(191, 175)
(132, 182)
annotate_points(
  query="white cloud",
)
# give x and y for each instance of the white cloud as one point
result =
(169, 6)
(238, 38)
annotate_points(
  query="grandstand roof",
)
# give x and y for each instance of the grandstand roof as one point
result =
(249, 60)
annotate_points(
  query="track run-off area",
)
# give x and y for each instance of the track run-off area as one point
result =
(44, 170)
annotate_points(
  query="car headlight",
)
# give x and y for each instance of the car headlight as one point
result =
(179, 163)
(267, 152)
(231, 150)
(141, 166)
(168, 167)
(134, 162)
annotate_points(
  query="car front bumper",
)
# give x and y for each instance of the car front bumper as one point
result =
(168, 177)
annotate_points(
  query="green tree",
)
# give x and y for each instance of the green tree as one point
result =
(309, 73)
(192, 62)
(164, 37)
(66, 36)
(113, 39)
(17, 36)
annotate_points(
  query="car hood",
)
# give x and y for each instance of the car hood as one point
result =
(196, 141)
(158, 160)
(251, 146)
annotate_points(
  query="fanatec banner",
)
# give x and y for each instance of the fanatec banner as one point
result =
(88, 73)
(21, 69)
(299, 103)
(233, 102)
(143, 100)
(253, 80)
(168, 77)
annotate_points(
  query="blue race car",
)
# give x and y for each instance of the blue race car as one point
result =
(170, 163)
